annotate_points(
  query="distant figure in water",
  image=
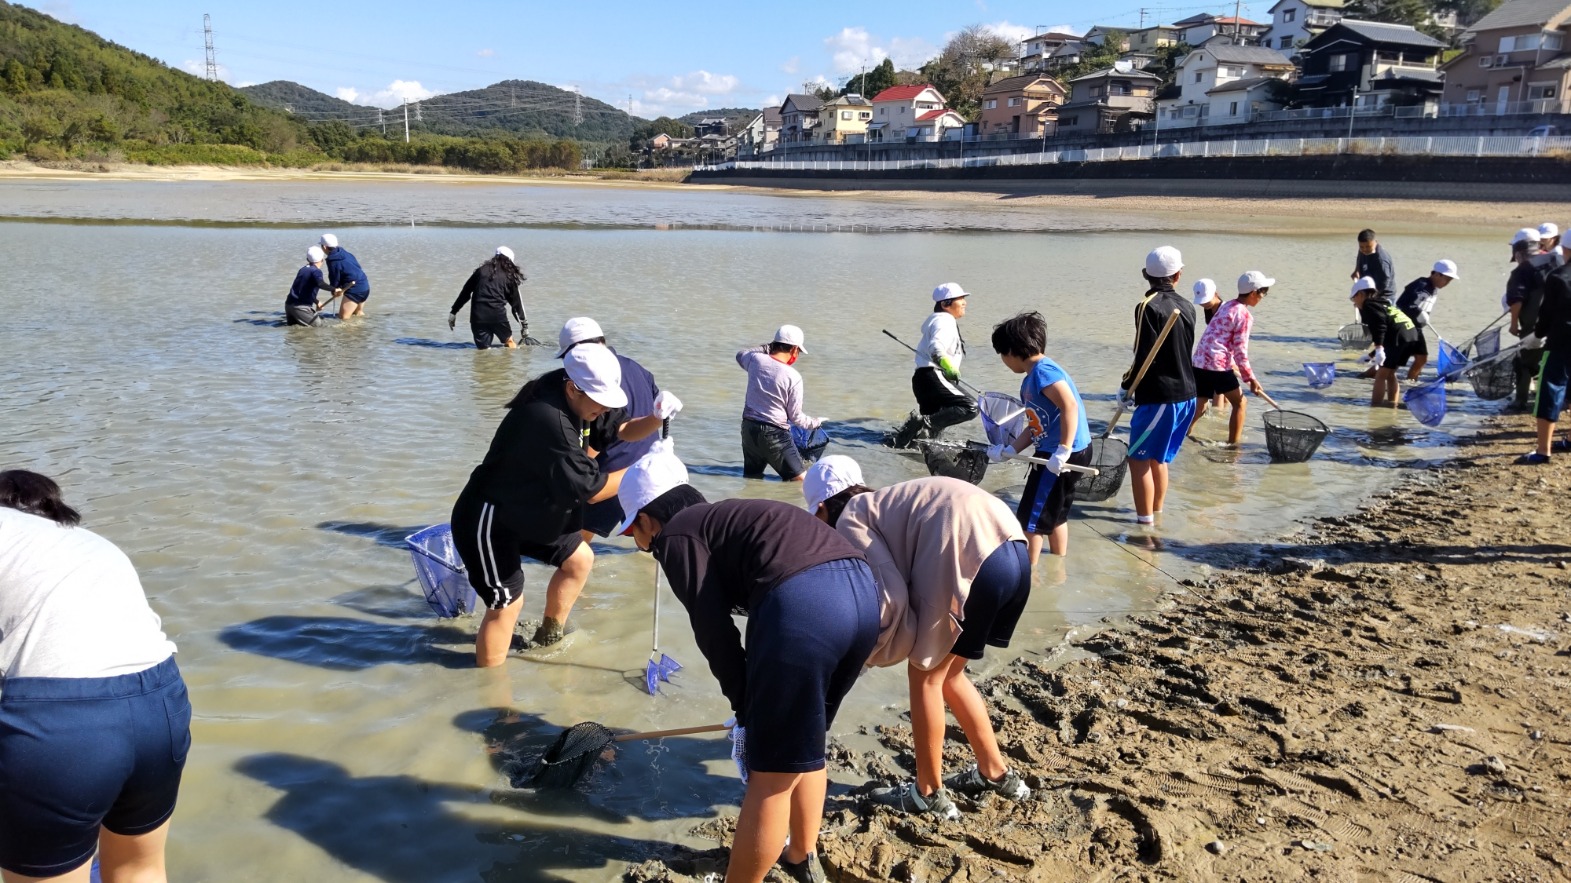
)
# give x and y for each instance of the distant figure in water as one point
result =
(95, 721)
(301, 306)
(494, 287)
(346, 277)
(940, 403)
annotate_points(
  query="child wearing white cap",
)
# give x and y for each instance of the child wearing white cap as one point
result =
(346, 277)
(494, 287)
(812, 607)
(1417, 300)
(526, 498)
(300, 306)
(1224, 347)
(773, 405)
(940, 403)
(1394, 336)
(938, 545)
(1524, 297)
(1165, 399)
(1207, 299)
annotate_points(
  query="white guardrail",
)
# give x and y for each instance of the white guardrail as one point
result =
(1416, 145)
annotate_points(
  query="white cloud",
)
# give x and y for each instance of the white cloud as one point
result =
(852, 49)
(772, 101)
(683, 93)
(910, 53)
(1009, 31)
(348, 93)
(792, 64)
(705, 83)
(398, 92)
(244, 84)
(199, 69)
(486, 53)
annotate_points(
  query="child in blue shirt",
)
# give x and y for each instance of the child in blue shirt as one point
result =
(1051, 395)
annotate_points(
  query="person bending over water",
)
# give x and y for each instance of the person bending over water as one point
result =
(526, 498)
(346, 277)
(494, 287)
(773, 405)
(95, 721)
(300, 306)
(940, 403)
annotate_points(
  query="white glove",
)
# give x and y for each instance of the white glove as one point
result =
(667, 405)
(452, 321)
(1532, 342)
(1055, 463)
(1380, 357)
(738, 737)
(1123, 398)
(665, 446)
(1365, 358)
(999, 453)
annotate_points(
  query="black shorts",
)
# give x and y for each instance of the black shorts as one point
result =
(1421, 346)
(934, 393)
(1045, 502)
(764, 444)
(998, 597)
(1401, 346)
(806, 644)
(1214, 383)
(603, 517)
(485, 332)
(491, 551)
(301, 314)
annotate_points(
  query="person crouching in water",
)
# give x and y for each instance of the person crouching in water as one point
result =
(955, 573)
(773, 405)
(1394, 335)
(1417, 300)
(1224, 346)
(1021, 342)
(939, 401)
(300, 306)
(346, 277)
(812, 609)
(526, 498)
(494, 287)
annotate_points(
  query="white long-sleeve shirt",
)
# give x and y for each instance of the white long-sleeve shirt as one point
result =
(940, 340)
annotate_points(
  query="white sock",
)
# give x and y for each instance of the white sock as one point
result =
(1145, 519)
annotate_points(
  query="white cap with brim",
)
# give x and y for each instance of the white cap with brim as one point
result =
(645, 481)
(828, 477)
(315, 255)
(1205, 289)
(1446, 268)
(1164, 262)
(1526, 235)
(328, 240)
(1364, 283)
(575, 331)
(596, 372)
(949, 291)
(1254, 280)
(1548, 230)
(790, 335)
(506, 252)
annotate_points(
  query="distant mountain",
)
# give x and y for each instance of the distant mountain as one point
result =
(304, 101)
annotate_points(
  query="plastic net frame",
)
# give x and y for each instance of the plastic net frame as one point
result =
(1003, 417)
(1110, 456)
(1320, 374)
(1493, 381)
(1427, 402)
(443, 579)
(1293, 437)
(1451, 362)
(1487, 343)
(1354, 336)
(571, 756)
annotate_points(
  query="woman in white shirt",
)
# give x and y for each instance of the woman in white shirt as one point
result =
(939, 400)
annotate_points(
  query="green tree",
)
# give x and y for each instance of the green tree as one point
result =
(14, 77)
(962, 70)
(872, 82)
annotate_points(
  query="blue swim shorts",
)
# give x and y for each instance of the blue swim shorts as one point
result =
(1156, 432)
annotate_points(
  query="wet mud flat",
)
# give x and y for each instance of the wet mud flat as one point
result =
(1384, 696)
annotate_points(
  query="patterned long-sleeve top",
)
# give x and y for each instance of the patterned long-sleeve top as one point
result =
(1225, 343)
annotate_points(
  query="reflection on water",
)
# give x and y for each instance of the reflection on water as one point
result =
(262, 478)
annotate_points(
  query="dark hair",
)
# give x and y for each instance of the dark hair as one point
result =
(666, 506)
(36, 495)
(1366, 235)
(527, 392)
(836, 504)
(1023, 335)
(942, 305)
(776, 347)
(1154, 280)
(599, 340)
(511, 271)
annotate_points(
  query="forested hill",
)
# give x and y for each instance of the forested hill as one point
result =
(63, 88)
(526, 108)
(304, 101)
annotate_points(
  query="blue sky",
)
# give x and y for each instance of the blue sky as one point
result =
(655, 58)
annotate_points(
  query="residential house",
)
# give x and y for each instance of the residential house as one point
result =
(709, 126)
(1098, 36)
(897, 109)
(1066, 55)
(1035, 51)
(1237, 101)
(1021, 107)
(760, 135)
(941, 124)
(798, 118)
(1152, 38)
(1110, 100)
(1139, 60)
(1514, 59)
(1296, 22)
(1197, 29)
(1218, 62)
(1369, 64)
(844, 120)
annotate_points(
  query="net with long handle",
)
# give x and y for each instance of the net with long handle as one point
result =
(1003, 417)
(1320, 374)
(955, 461)
(1292, 437)
(442, 576)
(1427, 402)
(1487, 343)
(810, 443)
(1493, 380)
(571, 756)
(1354, 336)
(1110, 457)
(1451, 362)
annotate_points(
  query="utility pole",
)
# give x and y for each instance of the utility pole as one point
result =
(1237, 24)
(212, 55)
(1142, 18)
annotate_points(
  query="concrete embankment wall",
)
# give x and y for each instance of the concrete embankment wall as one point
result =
(1491, 179)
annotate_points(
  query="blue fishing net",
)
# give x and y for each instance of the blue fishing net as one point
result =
(1427, 402)
(442, 577)
(1320, 374)
(1451, 362)
(810, 443)
(1003, 417)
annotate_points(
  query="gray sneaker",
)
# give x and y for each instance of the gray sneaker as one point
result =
(810, 870)
(971, 782)
(907, 799)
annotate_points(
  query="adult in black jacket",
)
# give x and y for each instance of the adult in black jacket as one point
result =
(1165, 398)
(1524, 296)
(526, 498)
(812, 609)
(1552, 331)
(494, 287)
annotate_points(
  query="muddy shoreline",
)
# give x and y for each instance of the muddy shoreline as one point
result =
(1382, 696)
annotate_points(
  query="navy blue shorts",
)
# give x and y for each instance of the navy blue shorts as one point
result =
(1553, 372)
(1047, 498)
(1156, 432)
(80, 753)
(998, 597)
(806, 645)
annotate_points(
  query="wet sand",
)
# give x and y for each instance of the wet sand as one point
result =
(1381, 697)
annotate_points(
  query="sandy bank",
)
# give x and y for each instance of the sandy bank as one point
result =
(22, 170)
(1382, 697)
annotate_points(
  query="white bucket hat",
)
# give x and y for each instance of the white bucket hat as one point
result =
(596, 372)
(828, 477)
(1446, 268)
(645, 481)
(577, 331)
